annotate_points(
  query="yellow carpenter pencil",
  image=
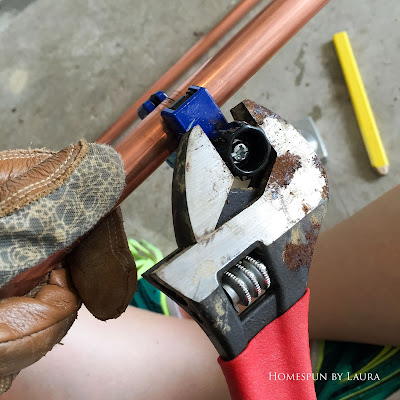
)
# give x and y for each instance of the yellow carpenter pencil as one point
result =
(362, 108)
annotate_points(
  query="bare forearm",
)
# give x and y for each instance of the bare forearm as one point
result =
(355, 296)
(141, 355)
(355, 277)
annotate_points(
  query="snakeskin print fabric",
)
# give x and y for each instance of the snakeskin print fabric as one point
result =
(34, 232)
(5, 382)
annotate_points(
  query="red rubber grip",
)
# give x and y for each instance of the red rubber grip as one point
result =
(276, 363)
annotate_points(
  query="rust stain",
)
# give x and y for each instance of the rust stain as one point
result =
(258, 112)
(208, 236)
(187, 167)
(299, 254)
(318, 164)
(284, 168)
(306, 209)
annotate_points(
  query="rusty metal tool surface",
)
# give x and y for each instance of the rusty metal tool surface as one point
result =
(249, 246)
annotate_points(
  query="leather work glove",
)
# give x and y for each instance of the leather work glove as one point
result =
(49, 201)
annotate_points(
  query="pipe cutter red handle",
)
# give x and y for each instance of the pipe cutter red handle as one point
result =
(275, 360)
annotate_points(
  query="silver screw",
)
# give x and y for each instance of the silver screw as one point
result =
(240, 152)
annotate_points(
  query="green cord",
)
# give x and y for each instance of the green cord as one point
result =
(390, 353)
(321, 349)
(383, 355)
(386, 378)
(145, 254)
(163, 304)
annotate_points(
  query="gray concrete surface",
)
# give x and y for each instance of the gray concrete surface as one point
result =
(69, 68)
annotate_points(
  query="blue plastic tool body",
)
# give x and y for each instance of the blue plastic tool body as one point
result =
(145, 109)
(197, 107)
(149, 105)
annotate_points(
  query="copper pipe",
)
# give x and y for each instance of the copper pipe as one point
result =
(149, 144)
(177, 70)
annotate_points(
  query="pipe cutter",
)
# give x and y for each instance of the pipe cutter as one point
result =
(243, 254)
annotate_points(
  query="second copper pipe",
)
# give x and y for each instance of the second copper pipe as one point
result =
(149, 144)
(178, 69)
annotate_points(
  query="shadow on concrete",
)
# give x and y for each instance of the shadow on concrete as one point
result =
(14, 5)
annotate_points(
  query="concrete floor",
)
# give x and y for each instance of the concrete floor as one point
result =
(69, 68)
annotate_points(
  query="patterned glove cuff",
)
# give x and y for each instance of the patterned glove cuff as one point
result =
(49, 206)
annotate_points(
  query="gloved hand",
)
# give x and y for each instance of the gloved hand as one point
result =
(49, 201)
